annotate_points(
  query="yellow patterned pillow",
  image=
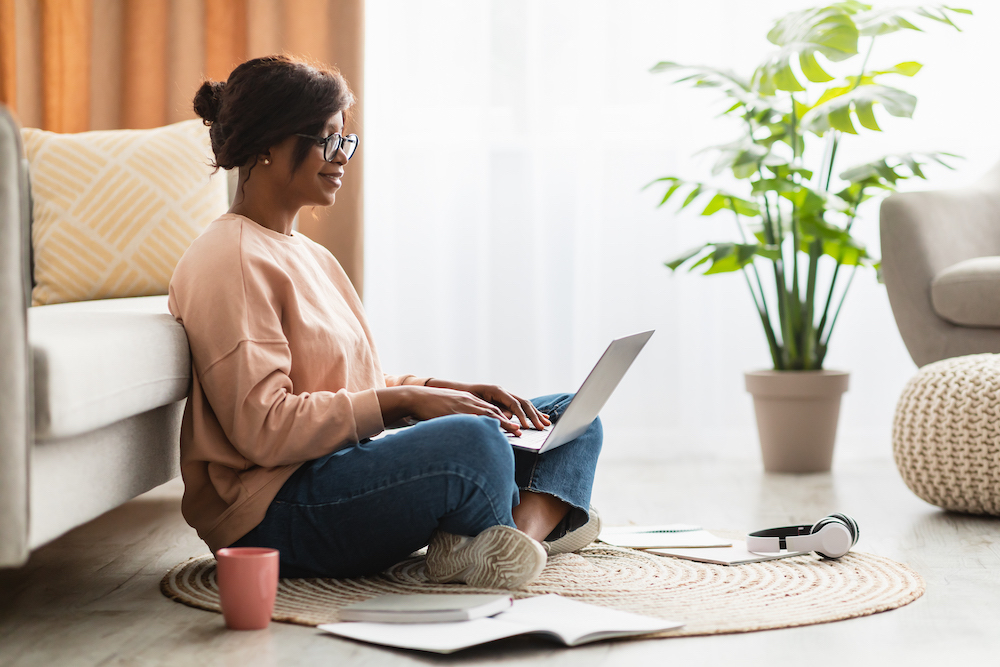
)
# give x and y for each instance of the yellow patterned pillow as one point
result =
(115, 210)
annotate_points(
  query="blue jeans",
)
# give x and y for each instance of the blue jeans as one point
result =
(368, 506)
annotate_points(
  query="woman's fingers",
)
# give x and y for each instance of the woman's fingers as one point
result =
(528, 412)
(525, 411)
(537, 418)
(490, 410)
(515, 406)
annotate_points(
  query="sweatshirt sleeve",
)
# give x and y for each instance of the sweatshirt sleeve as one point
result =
(400, 380)
(269, 425)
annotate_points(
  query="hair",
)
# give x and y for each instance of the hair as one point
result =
(265, 101)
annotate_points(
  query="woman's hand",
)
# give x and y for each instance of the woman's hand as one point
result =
(429, 402)
(512, 406)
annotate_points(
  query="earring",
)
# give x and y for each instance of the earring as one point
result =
(267, 160)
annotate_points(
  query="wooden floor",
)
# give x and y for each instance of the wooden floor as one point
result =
(92, 597)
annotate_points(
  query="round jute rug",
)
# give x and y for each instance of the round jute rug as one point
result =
(710, 599)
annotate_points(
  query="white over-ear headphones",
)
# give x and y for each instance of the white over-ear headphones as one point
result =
(830, 537)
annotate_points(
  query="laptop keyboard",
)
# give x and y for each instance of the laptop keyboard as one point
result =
(530, 438)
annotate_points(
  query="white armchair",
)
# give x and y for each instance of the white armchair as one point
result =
(941, 265)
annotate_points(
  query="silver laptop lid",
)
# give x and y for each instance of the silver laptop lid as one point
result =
(596, 389)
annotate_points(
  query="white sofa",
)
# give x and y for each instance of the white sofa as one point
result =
(91, 393)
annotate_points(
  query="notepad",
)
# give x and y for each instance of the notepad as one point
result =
(737, 554)
(677, 535)
(568, 621)
(425, 608)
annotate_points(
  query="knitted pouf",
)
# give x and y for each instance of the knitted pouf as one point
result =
(946, 434)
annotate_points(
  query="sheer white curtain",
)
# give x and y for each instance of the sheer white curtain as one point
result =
(507, 238)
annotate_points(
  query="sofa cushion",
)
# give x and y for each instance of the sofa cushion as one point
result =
(968, 293)
(97, 362)
(114, 210)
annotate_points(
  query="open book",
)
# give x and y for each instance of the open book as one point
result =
(560, 618)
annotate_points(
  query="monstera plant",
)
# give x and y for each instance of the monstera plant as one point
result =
(793, 209)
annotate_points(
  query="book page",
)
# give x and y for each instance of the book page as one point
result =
(566, 620)
(433, 637)
(578, 622)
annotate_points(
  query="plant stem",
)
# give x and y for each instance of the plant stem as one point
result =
(835, 141)
(779, 351)
(847, 229)
(836, 269)
(753, 264)
(836, 134)
(808, 339)
(762, 308)
(772, 343)
(826, 340)
(797, 325)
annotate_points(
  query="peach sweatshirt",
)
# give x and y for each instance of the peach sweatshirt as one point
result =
(283, 364)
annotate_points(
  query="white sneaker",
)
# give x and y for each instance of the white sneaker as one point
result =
(499, 557)
(576, 539)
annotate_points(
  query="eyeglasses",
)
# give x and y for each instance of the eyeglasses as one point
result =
(333, 143)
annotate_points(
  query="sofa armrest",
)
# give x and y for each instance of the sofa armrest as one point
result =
(16, 421)
(922, 234)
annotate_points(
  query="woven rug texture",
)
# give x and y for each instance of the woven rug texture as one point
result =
(710, 599)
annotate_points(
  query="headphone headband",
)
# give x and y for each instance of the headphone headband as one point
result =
(830, 537)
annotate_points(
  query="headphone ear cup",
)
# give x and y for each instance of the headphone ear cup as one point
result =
(838, 519)
(851, 524)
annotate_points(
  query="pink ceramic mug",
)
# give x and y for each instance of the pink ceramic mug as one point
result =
(248, 582)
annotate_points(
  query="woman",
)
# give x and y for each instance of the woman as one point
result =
(287, 389)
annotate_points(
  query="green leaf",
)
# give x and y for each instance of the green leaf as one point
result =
(863, 109)
(743, 207)
(720, 198)
(807, 201)
(763, 185)
(723, 257)
(701, 261)
(785, 170)
(703, 75)
(866, 79)
(729, 257)
(843, 247)
(885, 21)
(717, 203)
(826, 30)
(738, 155)
(811, 68)
(675, 263)
(839, 118)
(884, 172)
(835, 112)
(692, 196)
(726, 201)
(906, 69)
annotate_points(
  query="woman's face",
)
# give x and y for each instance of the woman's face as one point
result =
(316, 181)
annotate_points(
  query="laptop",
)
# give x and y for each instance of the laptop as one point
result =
(588, 401)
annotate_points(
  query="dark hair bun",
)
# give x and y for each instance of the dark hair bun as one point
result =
(265, 101)
(208, 101)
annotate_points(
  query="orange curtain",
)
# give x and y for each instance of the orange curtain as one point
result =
(66, 64)
(76, 65)
(8, 53)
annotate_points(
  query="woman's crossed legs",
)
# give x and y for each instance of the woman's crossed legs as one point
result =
(365, 507)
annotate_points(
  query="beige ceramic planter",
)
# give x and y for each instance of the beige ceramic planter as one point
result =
(797, 413)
